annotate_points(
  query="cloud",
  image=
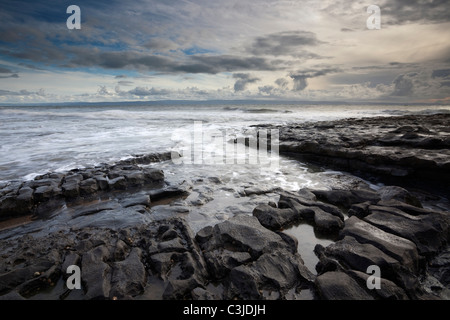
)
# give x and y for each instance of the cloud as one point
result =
(282, 83)
(300, 77)
(243, 80)
(22, 92)
(125, 83)
(407, 11)
(285, 43)
(14, 75)
(145, 92)
(4, 70)
(403, 86)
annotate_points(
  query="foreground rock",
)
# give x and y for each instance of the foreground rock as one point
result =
(387, 228)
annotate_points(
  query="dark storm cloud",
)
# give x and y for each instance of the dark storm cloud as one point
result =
(301, 77)
(14, 75)
(165, 64)
(285, 43)
(406, 11)
(442, 73)
(145, 92)
(243, 79)
(4, 70)
(125, 83)
(403, 86)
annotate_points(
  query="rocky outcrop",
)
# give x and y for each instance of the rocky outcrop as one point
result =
(413, 147)
(249, 260)
(50, 191)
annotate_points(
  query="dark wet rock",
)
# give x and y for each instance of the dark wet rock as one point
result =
(71, 188)
(399, 248)
(326, 222)
(44, 193)
(429, 232)
(85, 210)
(118, 183)
(88, 187)
(96, 273)
(70, 259)
(359, 210)
(388, 290)
(307, 199)
(136, 200)
(147, 158)
(397, 193)
(246, 234)
(274, 218)
(250, 258)
(221, 261)
(202, 294)
(340, 286)
(169, 192)
(204, 235)
(372, 146)
(102, 182)
(347, 198)
(271, 271)
(135, 178)
(439, 267)
(354, 255)
(128, 276)
(258, 190)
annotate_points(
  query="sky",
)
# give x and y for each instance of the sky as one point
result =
(225, 50)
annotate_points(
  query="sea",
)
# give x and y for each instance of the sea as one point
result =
(38, 139)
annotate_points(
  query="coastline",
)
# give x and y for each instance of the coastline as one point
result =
(397, 227)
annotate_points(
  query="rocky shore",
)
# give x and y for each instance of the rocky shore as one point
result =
(100, 219)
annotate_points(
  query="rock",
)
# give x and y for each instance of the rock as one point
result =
(347, 198)
(398, 248)
(439, 267)
(71, 189)
(44, 193)
(398, 193)
(359, 210)
(202, 294)
(88, 187)
(273, 218)
(221, 261)
(168, 192)
(86, 210)
(276, 271)
(184, 276)
(69, 260)
(95, 273)
(135, 178)
(359, 256)
(340, 286)
(291, 201)
(118, 183)
(326, 222)
(128, 276)
(102, 182)
(428, 232)
(136, 200)
(204, 235)
(245, 234)
(388, 290)
(153, 177)
(369, 146)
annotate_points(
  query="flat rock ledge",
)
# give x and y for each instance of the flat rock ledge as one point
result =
(412, 148)
(247, 257)
(47, 192)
